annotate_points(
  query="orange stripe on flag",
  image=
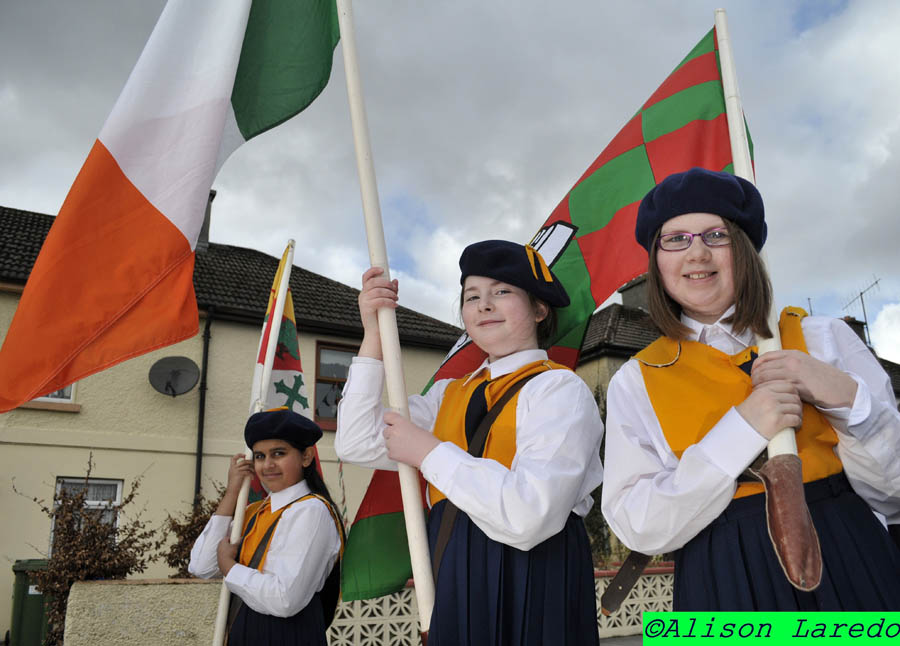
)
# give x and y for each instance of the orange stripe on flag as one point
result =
(113, 280)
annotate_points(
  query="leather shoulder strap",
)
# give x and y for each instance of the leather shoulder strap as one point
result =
(476, 448)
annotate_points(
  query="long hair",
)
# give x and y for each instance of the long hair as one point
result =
(752, 291)
(317, 485)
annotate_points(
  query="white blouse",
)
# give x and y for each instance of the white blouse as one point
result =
(555, 469)
(302, 551)
(656, 503)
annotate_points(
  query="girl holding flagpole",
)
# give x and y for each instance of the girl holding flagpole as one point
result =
(285, 573)
(510, 453)
(691, 412)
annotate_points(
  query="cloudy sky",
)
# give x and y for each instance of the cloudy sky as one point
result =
(482, 116)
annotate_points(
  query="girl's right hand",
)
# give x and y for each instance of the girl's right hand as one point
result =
(772, 407)
(376, 292)
(240, 468)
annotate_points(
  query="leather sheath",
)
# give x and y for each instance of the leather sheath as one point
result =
(790, 526)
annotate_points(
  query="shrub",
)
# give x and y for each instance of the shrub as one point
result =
(185, 528)
(87, 547)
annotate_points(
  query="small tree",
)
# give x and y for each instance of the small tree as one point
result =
(87, 546)
(185, 528)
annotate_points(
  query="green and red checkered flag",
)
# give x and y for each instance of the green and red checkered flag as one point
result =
(588, 241)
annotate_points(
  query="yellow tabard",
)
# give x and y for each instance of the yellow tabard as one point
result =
(450, 425)
(264, 520)
(691, 386)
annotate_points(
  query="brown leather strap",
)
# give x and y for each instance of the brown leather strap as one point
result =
(476, 448)
(617, 590)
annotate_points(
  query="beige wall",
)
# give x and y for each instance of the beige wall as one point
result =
(597, 373)
(132, 430)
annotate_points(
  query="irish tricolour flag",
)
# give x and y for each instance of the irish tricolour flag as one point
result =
(114, 277)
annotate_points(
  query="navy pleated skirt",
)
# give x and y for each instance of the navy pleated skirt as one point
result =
(306, 628)
(731, 565)
(490, 594)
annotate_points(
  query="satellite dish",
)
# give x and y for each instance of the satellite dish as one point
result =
(174, 375)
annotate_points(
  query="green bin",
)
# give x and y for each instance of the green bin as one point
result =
(29, 613)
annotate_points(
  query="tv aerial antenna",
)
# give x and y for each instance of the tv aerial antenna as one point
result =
(862, 302)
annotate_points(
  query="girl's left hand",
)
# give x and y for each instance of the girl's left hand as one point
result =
(817, 383)
(406, 442)
(226, 555)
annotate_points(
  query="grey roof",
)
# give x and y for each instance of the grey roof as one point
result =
(235, 281)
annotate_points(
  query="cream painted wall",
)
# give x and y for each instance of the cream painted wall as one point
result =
(133, 430)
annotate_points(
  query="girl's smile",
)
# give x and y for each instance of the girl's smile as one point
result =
(279, 464)
(699, 278)
(500, 317)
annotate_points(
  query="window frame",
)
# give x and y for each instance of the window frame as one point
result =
(64, 404)
(88, 504)
(328, 423)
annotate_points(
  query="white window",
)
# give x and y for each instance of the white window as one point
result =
(64, 395)
(103, 496)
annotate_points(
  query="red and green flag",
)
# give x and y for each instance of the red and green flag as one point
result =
(588, 241)
(286, 386)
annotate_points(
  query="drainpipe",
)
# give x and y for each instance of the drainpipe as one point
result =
(201, 415)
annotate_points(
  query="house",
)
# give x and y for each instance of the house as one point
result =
(177, 445)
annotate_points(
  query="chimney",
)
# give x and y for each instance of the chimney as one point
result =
(857, 326)
(203, 238)
(634, 293)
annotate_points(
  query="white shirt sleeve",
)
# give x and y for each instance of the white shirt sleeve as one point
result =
(204, 563)
(303, 549)
(360, 421)
(557, 465)
(869, 431)
(653, 501)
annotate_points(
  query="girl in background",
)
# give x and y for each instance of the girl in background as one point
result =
(285, 574)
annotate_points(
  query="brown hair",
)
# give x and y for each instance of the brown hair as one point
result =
(752, 291)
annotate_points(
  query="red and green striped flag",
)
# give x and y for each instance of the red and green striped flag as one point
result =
(588, 241)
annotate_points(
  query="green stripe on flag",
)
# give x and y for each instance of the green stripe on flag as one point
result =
(704, 101)
(571, 270)
(285, 61)
(381, 569)
(619, 182)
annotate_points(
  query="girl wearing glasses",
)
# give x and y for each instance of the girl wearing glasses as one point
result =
(691, 412)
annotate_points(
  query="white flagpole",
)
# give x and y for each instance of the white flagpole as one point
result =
(387, 321)
(258, 402)
(785, 442)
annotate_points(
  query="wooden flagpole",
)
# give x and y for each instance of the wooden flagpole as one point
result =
(785, 442)
(788, 520)
(257, 403)
(387, 320)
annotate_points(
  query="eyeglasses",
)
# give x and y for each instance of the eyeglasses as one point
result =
(681, 240)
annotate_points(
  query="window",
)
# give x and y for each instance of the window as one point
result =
(102, 496)
(63, 395)
(332, 364)
(59, 400)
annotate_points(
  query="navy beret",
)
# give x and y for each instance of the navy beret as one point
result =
(702, 191)
(282, 424)
(515, 264)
